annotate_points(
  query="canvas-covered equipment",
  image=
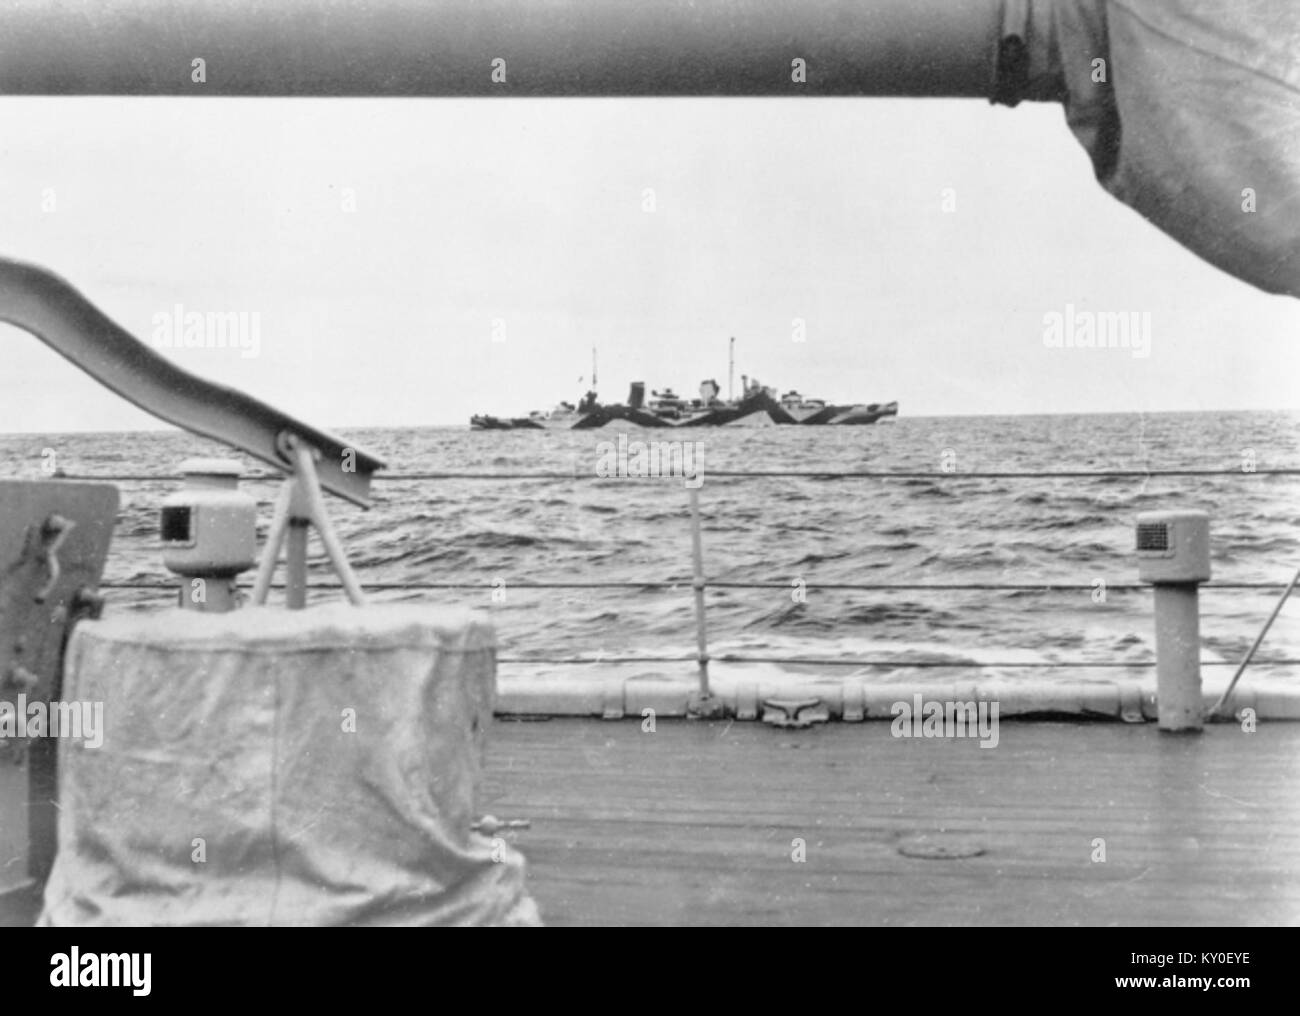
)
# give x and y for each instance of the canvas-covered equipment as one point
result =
(1189, 109)
(1196, 120)
(269, 767)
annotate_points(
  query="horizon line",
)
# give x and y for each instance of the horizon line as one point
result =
(166, 427)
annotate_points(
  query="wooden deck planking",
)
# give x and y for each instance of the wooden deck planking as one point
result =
(693, 824)
(13, 824)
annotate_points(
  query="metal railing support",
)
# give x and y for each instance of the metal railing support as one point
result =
(703, 703)
(1174, 555)
(698, 583)
(300, 504)
(1259, 640)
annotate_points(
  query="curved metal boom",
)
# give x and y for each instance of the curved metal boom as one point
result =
(40, 302)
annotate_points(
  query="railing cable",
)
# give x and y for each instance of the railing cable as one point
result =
(686, 584)
(823, 474)
(601, 659)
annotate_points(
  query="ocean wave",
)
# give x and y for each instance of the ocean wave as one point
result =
(824, 530)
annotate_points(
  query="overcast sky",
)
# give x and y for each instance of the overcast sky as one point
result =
(380, 242)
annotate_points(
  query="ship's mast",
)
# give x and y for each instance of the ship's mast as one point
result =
(593, 368)
(731, 370)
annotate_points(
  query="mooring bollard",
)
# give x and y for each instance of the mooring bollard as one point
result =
(1173, 551)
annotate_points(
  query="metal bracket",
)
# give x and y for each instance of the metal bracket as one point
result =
(54, 538)
(1241, 699)
(1130, 702)
(747, 702)
(300, 504)
(854, 697)
(703, 706)
(794, 712)
(612, 705)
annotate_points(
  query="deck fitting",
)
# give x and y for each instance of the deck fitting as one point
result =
(940, 847)
(612, 705)
(1130, 704)
(853, 698)
(747, 701)
(704, 706)
(794, 712)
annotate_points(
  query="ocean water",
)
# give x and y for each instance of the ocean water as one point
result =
(786, 531)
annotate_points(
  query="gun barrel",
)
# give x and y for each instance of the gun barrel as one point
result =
(500, 47)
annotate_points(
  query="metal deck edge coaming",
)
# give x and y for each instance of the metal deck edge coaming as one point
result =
(591, 694)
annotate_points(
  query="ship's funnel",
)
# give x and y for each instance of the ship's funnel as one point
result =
(636, 397)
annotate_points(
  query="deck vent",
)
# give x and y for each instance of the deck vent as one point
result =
(176, 525)
(1153, 536)
(209, 533)
(1173, 546)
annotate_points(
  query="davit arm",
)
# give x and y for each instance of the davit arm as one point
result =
(40, 302)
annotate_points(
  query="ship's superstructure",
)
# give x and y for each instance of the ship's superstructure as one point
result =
(758, 405)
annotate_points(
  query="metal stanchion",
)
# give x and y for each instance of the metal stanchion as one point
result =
(703, 703)
(1174, 555)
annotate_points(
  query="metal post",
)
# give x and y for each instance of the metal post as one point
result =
(295, 591)
(300, 504)
(295, 537)
(274, 541)
(1173, 551)
(308, 483)
(731, 370)
(1178, 657)
(697, 553)
(703, 705)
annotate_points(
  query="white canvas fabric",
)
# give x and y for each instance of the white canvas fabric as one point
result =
(1199, 111)
(275, 767)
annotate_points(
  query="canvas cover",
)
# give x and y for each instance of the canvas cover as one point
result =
(1198, 116)
(274, 767)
